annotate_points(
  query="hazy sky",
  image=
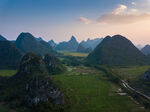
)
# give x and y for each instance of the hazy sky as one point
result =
(60, 19)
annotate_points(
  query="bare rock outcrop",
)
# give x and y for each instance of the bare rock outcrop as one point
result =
(35, 84)
(146, 75)
(53, 65)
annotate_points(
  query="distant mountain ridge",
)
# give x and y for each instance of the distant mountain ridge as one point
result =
(139, 46)
(146, 50)
(75, 46)
(28, 43)
(39, 39)
(116, 50)
(2, 38)
(71, 45)
(82, 49)
(91, 43)
(52, 43)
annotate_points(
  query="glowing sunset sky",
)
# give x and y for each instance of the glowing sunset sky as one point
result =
(60, 19)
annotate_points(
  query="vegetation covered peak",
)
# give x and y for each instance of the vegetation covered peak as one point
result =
(26, 42)
(117, 50)
(2, 38)
(10, 56)
(23, 36)
(73, 38)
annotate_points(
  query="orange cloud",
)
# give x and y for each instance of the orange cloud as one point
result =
(123, 19)
(120, 9)
(123, 15)
(84, 20)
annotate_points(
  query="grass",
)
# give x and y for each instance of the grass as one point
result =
(76, 54)
(89, 91)
(82, 70)
(4, 108)
(132, 72)
(7, 73)
(94, 93)
(134, 77)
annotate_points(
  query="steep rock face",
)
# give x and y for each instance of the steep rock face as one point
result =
(43, 90)
(28, 43)
(117, 50)
(10, 56)
(146, 50)
(71, 45)
(33, 85)
(146, 75)
(31, 64)
(53, 65)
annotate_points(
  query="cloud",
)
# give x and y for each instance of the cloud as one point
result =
(84, 20)
(122, 19)
(133, 3)
(133, 10)
(123, 15)
(120, 9)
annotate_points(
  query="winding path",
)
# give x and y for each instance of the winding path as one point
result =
(126, 85)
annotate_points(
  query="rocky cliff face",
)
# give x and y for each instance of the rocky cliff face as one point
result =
(53, 65)
(39, 87)
(30, 64)
(43, 90)
(33, 85)
(146, 76)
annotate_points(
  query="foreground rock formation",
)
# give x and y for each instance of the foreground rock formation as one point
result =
(33, 86)
(43, 90)
(53, 65)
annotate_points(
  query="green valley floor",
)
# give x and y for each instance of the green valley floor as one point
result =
(89, 90)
